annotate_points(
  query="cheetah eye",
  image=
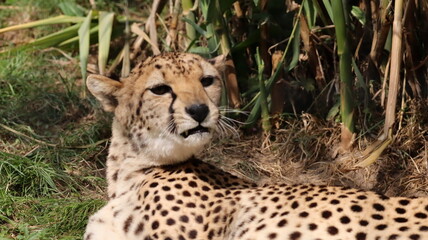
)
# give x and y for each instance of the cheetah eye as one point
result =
(160, 89)
(207, 81)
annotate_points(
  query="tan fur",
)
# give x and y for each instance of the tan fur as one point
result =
(158, 190)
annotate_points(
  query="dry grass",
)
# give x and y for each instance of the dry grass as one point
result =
(305, 152)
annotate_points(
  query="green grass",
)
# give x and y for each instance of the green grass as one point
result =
(45, 218)
(48, 192)
(28, 176)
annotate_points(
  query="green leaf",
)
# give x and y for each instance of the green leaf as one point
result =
(388, 42)
(263, 93)
(328, 8)
(307, 84)
(212, 11)
(225, 5)
(70, 8)
(50, 40)
(94, 29)
(256, 110)
(359, 14)
(204, 7)
(216, 8)
(197, 27)
(334, 111)
(203, 51)
(47, 21)
(310, 13)
(296, 48)
(104, 36)
(84, 35)
(359, 75)
(254, 37)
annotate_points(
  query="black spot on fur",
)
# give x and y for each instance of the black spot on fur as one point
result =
(345, 220)
(400, 210)
(294, 205)
(378, 207)
(420, 215)
(381, 227)
(360, 236)
(139, 229)
(356, 208)
(295, 235)
(304, 214)
(404, 202)
(155, 225)
(415, 236)
(312, 226)
(332, 230)
(282, 223)
(326, 214)
(127, 224)
(400, 220)
(364, 223)
(377, 216)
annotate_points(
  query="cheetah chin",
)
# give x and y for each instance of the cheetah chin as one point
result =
(165, 112)
(175, 149)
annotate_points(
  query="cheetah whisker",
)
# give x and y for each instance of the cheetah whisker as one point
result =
(224, 127)
(169, 129)
(225, 110)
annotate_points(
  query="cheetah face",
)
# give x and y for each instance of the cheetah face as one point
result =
(167, 108)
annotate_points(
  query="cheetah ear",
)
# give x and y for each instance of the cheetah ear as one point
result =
(104, 89)
(219, 62)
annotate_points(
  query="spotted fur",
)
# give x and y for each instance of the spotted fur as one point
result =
(165, 113)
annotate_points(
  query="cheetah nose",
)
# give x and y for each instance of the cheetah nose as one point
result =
(198, 112)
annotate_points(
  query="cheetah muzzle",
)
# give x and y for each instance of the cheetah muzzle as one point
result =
(199, 129)
(165, 112)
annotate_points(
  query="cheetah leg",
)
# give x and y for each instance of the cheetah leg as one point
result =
(101, 227)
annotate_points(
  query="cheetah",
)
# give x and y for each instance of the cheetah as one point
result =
(166, 112)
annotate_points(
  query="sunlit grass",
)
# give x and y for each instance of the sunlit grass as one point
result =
(47, 191)
(44, 218)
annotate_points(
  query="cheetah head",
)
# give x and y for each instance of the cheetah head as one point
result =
(166, 110)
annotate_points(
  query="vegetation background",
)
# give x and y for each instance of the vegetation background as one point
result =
(327, 91)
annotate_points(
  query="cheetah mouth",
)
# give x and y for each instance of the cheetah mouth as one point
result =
(196, 130)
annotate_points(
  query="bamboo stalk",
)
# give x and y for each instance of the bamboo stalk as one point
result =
(381, 26)
(345, 72)
(187, 6)
(313, 57)
(157, 7)
(212, 42)
(126, 63)
(411, 49)
(278, 92)
(264, 36)
(266, 125)
(172, 34)
(221, 30)
(396, 57)
(232, 87)
(221, 33)
(255, 111)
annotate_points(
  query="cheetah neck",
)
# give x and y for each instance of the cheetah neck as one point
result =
(120, 150)
(127, 156)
